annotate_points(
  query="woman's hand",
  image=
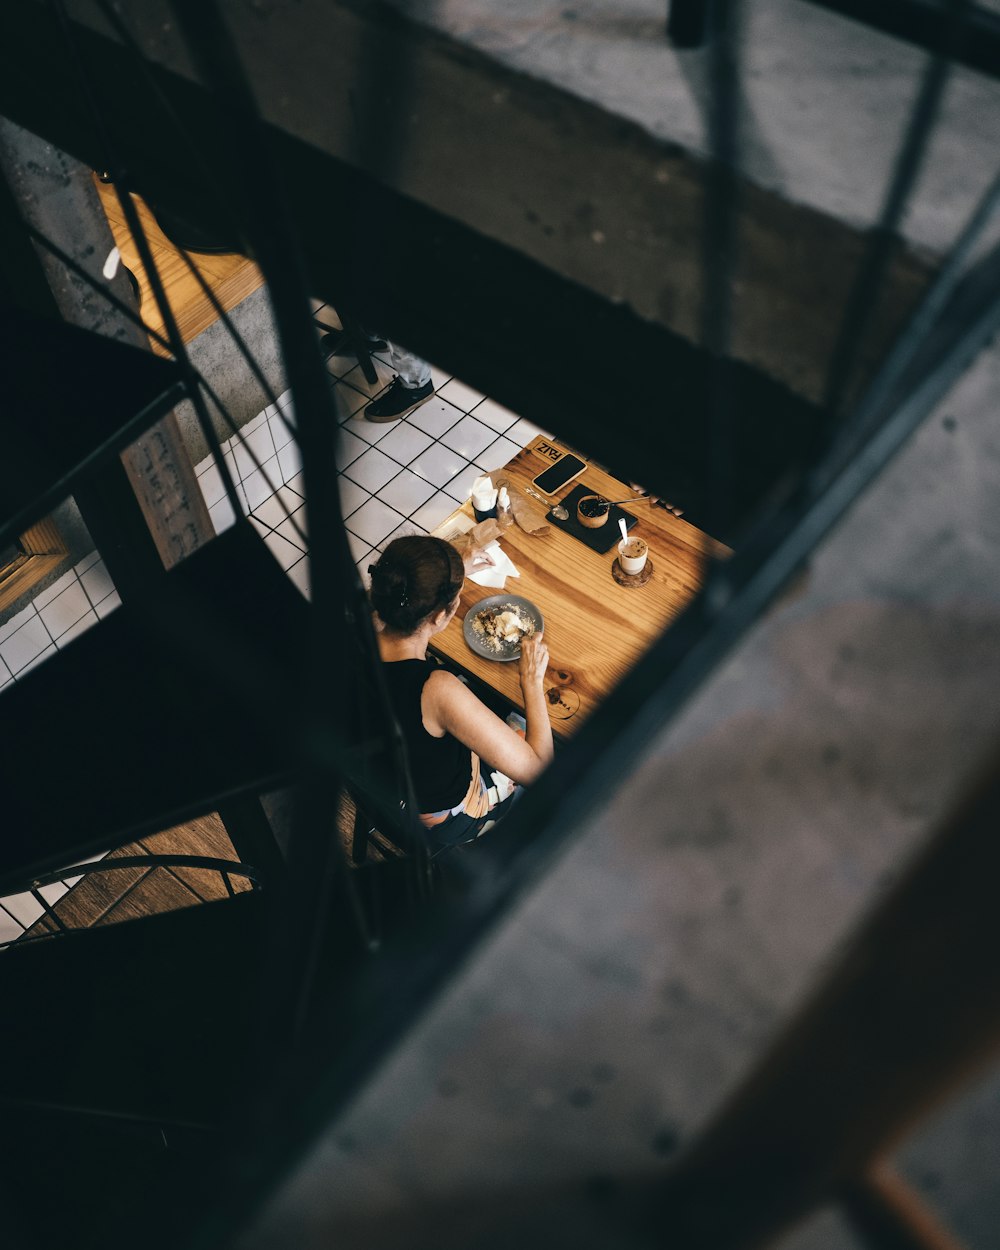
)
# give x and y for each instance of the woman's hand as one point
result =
(533, 662)
(476, 559)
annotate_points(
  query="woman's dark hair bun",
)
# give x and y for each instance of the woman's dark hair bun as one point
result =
(416, 577)
(392, 581)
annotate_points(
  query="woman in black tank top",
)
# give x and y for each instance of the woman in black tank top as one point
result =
(447, 730)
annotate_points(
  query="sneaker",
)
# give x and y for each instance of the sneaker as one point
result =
(397, 400)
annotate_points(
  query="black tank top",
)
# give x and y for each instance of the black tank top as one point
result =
(441, 767)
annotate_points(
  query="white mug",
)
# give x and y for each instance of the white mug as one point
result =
(632, 553)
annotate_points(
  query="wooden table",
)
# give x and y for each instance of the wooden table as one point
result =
(595, 629)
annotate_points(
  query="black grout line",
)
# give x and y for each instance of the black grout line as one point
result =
(44, 626)
(26, 667)
(105, 599)
(438, 490)
(70, 626)
(14, 918)
(436, 440)
(96, 560)
(90, 598)
(89, 608)
(51, 643)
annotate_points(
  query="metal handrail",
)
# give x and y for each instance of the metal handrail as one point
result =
(225, 867)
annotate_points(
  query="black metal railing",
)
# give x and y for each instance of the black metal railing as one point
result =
(227, 869)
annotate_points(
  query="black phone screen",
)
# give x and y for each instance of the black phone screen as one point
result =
(557, 475)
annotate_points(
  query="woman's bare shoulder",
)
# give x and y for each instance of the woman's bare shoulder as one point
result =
(450, 697)
(445, 685)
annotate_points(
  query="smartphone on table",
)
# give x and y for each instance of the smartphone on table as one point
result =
(559, 473)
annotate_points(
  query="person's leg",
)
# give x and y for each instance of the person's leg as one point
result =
(413, 371)
(338, 340)
(407, 391)
(461, 829)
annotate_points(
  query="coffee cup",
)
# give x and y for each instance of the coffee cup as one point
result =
(632, 553)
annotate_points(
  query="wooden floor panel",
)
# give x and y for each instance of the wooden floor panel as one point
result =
(128, 893)
(157, 891)
(232, 277)
(209, 834)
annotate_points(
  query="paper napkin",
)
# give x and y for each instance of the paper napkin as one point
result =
(495, 574)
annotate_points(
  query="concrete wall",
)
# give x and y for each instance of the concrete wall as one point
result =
(215, 355)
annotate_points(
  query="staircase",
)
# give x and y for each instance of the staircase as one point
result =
(144, 878)
(129, 1048)
(164, 726)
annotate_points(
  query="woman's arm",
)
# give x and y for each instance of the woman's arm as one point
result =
(531, 671)
(450, 705)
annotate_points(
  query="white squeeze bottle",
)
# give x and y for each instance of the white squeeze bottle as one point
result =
(504, 516)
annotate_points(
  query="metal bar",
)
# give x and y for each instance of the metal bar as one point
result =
(136, 229)
(718, 254)
(402, 828)
(298, 922)
(99, 456)
(906, 348)
(274, 488)
(358, 344)
(687, 22)
(208, 175)
(214, 445)
(108, 502)
(235, 335)
(860, 308)
(888, 1214)
(119, 305)
(925, 24)
(212, 863)
(249, 829)
(156, 464)
(966, 301)
(58, 1108)
(46, 908)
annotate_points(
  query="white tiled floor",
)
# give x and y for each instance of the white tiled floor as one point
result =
(469, 437)
(402, 477)
(57, 615)
(435, 416)
(20, 911)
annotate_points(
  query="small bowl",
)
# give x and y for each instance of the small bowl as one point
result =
(593, 522)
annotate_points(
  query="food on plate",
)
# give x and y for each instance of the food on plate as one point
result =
(502, 627)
